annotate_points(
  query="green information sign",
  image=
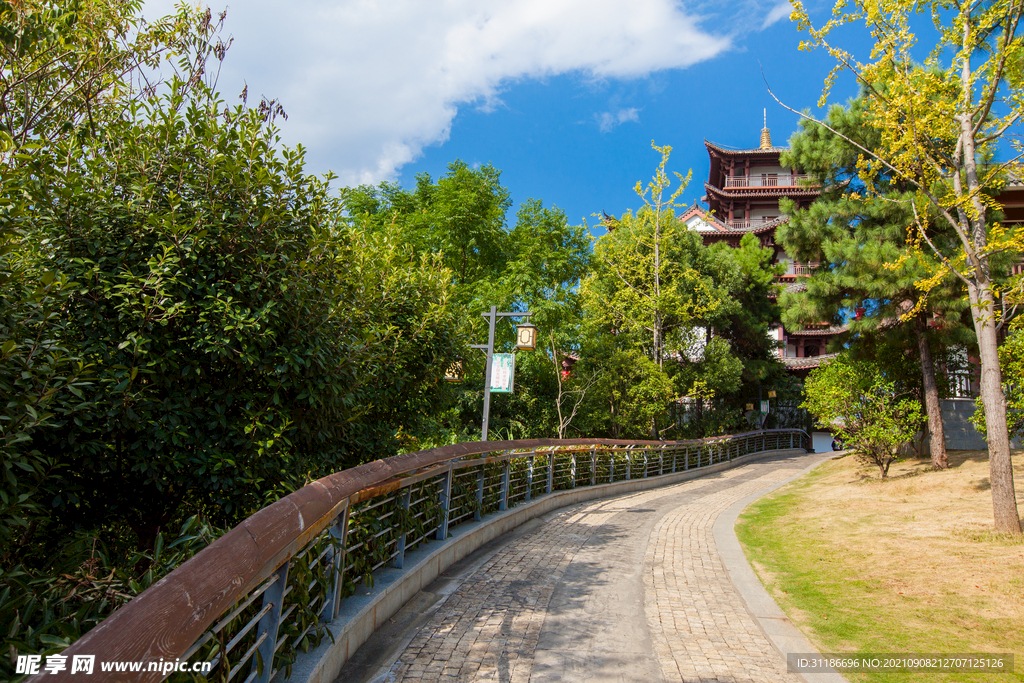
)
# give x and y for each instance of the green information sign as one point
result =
(503, 371)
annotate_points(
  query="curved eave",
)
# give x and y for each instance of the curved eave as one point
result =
(807, 363)
(774, 193)
(830, 332)
(754, 151)
(758, 229)
(754, 229)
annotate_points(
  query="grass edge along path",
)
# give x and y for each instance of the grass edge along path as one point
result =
(905, 565)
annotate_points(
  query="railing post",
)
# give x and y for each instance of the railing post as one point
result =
(339, 531)
(446, 501)
(551, 472)
(267, 628)
(529, 476)
(403, 502)
(700, 455)
(572, 470)
(611, 466)
(629, 462)
(645, 463)
(661, 461)
(791, 440)
(593, 466)
(479, 494)
(503, 501)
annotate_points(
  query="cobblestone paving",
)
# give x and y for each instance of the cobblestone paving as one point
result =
(701, 628)
(622, 589)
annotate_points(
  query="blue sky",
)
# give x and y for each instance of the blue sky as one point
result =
(563, 96)
(548, 140)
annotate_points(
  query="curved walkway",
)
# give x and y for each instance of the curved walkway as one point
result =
(631, 588)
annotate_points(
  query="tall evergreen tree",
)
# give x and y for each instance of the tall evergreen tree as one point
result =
(747, 326)
(937, 127)
(860, 241)
(461, 216)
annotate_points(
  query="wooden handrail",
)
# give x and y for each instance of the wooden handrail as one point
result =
(766, 180)
(166, 619)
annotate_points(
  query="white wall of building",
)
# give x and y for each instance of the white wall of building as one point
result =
(757, 213)
(788, 260)
(758, 170)
(699, 224)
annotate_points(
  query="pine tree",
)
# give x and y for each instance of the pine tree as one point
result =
(936, 127)
(858, 238)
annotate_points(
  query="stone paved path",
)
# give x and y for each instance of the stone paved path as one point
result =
(622, 589)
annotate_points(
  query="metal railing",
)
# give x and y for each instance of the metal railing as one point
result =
(743, 223)
(804, 268)
(961, 384)
(767, 180)
(262, 591)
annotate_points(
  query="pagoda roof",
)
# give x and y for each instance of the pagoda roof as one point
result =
(723, 228)
(830, 331)
(772, 192)
(807, 362)
(733, 151)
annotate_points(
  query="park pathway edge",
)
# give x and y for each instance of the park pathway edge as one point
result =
(779, 630)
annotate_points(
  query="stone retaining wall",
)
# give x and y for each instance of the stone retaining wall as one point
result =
(960, 433)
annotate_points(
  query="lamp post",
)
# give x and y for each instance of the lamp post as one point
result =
(526, 338)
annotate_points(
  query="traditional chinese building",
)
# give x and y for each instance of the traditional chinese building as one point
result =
(742, 195)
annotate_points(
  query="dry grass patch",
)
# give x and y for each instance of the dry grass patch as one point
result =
(910, 564)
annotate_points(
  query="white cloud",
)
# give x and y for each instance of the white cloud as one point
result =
(367, 84)
(607, 120)
(780, 11)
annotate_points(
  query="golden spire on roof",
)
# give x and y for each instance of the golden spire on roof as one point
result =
(766, 136)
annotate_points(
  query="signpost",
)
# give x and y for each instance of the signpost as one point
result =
(503, 372)
(500, 376)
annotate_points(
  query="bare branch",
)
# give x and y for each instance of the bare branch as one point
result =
(989, 138)
(997, 76)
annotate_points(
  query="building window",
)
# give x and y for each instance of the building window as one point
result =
(811, 351)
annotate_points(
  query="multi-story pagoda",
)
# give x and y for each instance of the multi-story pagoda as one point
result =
(743, 190)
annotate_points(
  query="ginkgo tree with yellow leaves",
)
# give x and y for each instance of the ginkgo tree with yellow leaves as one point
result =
(667, 317)
(940, 128)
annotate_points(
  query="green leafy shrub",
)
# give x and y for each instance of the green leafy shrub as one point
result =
(870, 411)
(1011, 364)
(43, 610)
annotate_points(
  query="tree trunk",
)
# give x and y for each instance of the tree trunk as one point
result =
(1004, 501)
(658, 355)
(558, 378)
(614, 421)
(936, 430)
(979, 290)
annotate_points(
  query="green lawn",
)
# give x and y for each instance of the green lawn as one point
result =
(905, 565)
